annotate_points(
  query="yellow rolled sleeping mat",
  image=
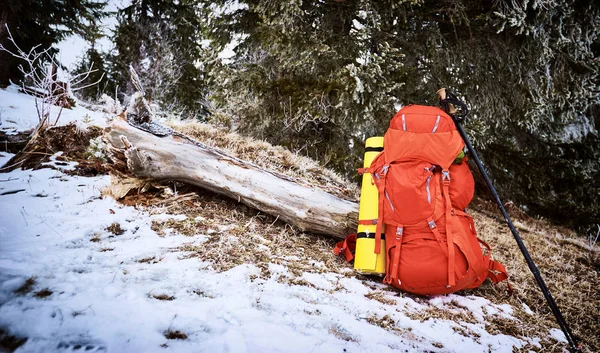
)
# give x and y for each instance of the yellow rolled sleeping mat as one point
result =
(366, 261)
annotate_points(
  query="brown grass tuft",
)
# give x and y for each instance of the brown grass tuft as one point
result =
(385, 322)
(44, 293)
(175, 335)
(162, 297)
(443, 313)
(115, 229)
(380, 297)
(9, 343)
(341, 333)
(26, 287)
(150, 260)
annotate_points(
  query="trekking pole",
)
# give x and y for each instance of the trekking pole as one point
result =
(449, 102)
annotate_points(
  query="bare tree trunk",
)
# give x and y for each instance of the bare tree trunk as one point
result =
(176, 157)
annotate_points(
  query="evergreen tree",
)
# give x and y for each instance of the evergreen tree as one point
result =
(306, 75)
(43, 23)
(320, 76)
(161, 41)
(93, 67)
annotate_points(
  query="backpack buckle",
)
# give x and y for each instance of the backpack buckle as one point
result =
(445, 175)
(432, 224)
(384, 169)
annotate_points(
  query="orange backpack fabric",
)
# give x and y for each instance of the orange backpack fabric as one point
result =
(431, 242)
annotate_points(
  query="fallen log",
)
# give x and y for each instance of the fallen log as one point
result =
(176, 157)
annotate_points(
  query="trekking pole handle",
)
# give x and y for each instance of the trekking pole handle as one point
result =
(452, 105)
(441, 93)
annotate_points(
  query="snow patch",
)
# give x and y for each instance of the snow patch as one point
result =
(558, 335)
(18, 113)
(124, 292)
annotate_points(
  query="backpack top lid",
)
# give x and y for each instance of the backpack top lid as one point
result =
(422, 132)
(422, 118)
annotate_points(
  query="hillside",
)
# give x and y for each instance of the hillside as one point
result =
(169, 267)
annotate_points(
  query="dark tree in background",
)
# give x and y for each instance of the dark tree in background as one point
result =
(93, 66)
(320, 76)
(44, 23)
(161, 40)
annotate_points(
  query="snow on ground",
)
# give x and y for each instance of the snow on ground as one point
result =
(18, 112)
(98, 290)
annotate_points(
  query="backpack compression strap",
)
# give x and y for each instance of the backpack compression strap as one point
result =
(449, 235)
(380, 182)
(393, 272)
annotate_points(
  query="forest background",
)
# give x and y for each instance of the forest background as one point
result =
(319, 77)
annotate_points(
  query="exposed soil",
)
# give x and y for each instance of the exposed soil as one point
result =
(13, 143)
(9, 343)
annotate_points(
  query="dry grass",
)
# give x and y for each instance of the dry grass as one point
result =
(115, 229)
(162, 297)
(227, 234)
(26, 287)
(44, 293)
(175, 335)
(72, 142)
(443, 313)
(341, 333)
(571, 272)
(150, 260)
(9, 343)
(380, 297)
(385, 322)
(273, 158)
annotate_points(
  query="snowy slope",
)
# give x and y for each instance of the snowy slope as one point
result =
(92, 289)
(18, 112)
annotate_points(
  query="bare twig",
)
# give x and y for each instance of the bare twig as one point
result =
(39, 70)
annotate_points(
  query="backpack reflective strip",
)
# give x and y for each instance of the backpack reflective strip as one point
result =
(390, 201)
(427, 187)
(403, 122)
(437, 122)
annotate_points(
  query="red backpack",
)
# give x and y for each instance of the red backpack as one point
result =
(424, 189)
